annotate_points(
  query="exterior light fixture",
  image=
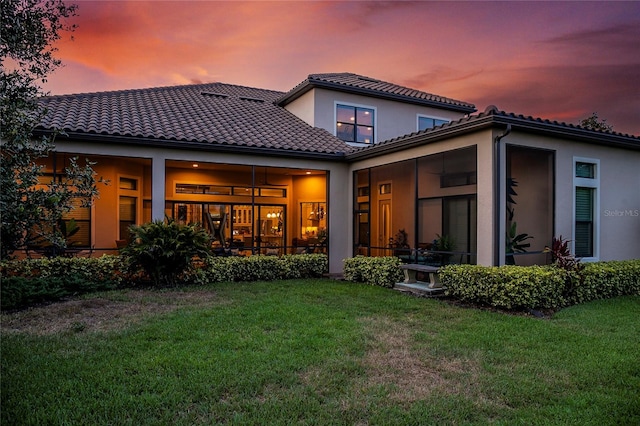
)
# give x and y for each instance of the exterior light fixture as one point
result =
(195, 165)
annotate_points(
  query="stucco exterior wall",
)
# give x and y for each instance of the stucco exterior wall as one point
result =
(619, 209)
(304, 107)
(392, 119)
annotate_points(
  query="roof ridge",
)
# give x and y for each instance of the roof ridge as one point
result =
(157, 89)
(493, 110)
(373, 87)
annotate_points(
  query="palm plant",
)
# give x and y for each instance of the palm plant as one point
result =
(165, 250)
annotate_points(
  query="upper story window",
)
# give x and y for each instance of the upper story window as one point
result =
(425, 122)
(355, 124)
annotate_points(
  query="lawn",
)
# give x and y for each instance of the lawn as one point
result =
(316, 352)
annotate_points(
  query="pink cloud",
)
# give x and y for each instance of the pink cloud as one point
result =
(524, 56)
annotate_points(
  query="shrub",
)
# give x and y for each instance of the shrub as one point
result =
(29, 281)
(512, 287)
(263, 268)
(104, 269)
(304, 265)
(381, 271)
(602, 280)
(165, 250)
(506, 287)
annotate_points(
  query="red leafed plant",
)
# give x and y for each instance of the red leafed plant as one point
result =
(561, 255)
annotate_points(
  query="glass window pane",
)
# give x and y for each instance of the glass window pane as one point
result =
(365, 134)
(584, 204)
(272, 192)
(218, 190)
(242, 190)
(126, 183)
(128, 208)
(345, 114)
(584, 222)
(127, 215)
(345, 132)
(584, 240)
(585, 170)
(425, 123)
(364, 116)
(429, 123)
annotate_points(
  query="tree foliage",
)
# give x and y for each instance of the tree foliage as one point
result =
(593, 122)
(31, 207)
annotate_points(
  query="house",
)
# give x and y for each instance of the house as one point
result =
(340, 164)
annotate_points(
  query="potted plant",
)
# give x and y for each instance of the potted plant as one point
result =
(444, 245)
(515, 243)
(400, 245)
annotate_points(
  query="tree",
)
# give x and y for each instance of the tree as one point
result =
(594, 123)
(27, 202)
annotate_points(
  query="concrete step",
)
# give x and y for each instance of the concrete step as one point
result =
(419, 288)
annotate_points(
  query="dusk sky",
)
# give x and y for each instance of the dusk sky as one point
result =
(556, 60)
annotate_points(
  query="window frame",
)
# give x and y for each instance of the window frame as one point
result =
(374, 137)
(594, 184)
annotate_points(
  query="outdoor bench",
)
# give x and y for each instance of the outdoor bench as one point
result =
(411, 271)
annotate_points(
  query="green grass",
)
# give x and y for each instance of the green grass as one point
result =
(326, 352)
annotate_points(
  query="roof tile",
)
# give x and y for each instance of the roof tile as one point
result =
(238, 116)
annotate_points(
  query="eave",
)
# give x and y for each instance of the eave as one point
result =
(190, 145)
(306, 86)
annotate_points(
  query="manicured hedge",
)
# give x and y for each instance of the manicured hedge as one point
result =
(381, 271)
(603, 280)
(516, 287)
(261, 268)
(29, 281)
(506, 287)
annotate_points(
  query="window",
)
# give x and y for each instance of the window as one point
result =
(128, 208)
(585, 231)
(363, 191)
(429, 122)
(129, 195)
(210, 189)
(80, 214)
(127, 183)
(355, 124)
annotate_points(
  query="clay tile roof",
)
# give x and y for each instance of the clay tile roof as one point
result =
(210, 114)
(359, 84)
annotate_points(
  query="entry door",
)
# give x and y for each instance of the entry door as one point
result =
(384, 225)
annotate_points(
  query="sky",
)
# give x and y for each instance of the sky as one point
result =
(555, 60)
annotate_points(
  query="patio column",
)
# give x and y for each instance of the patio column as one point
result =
(340, 217)
(158, 174)
(487, 243)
